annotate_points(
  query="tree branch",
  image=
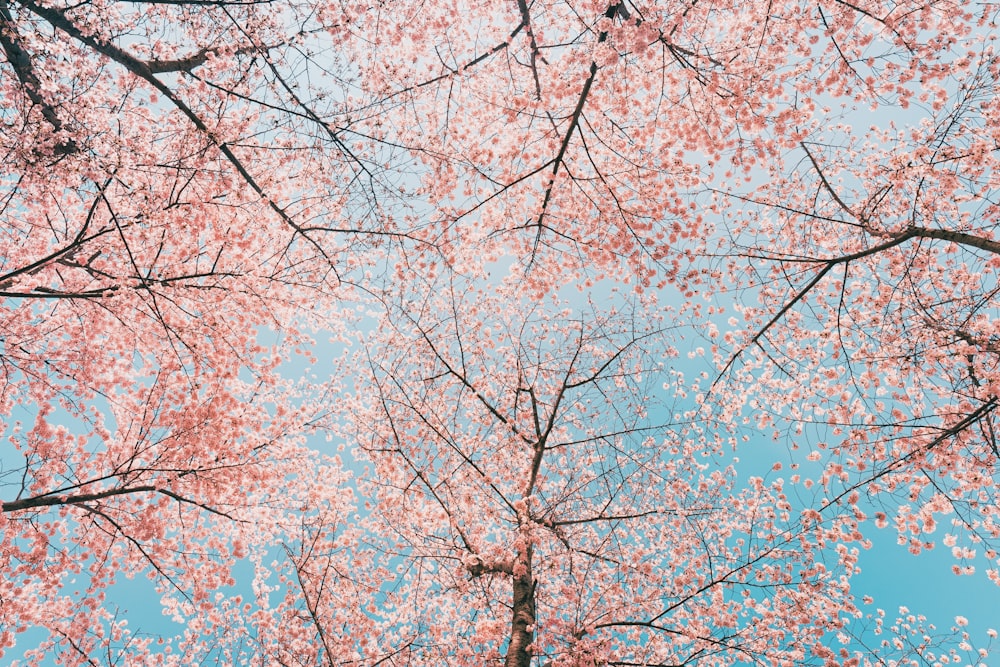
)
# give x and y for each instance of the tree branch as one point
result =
(24, 69)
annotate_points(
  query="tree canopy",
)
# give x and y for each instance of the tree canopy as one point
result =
(552, 267)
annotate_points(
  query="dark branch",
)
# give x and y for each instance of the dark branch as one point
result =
(20, 61)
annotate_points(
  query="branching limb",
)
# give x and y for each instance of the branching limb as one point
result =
(20, 60)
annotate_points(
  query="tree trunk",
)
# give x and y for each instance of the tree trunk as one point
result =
(522, 625)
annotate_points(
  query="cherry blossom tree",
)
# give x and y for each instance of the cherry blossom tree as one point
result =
(870, 259)
(834, 162)
(534, 494)
(539, 510)
(812, 184)
(156, 222)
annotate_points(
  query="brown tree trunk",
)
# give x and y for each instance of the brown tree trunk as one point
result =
(522, 624)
